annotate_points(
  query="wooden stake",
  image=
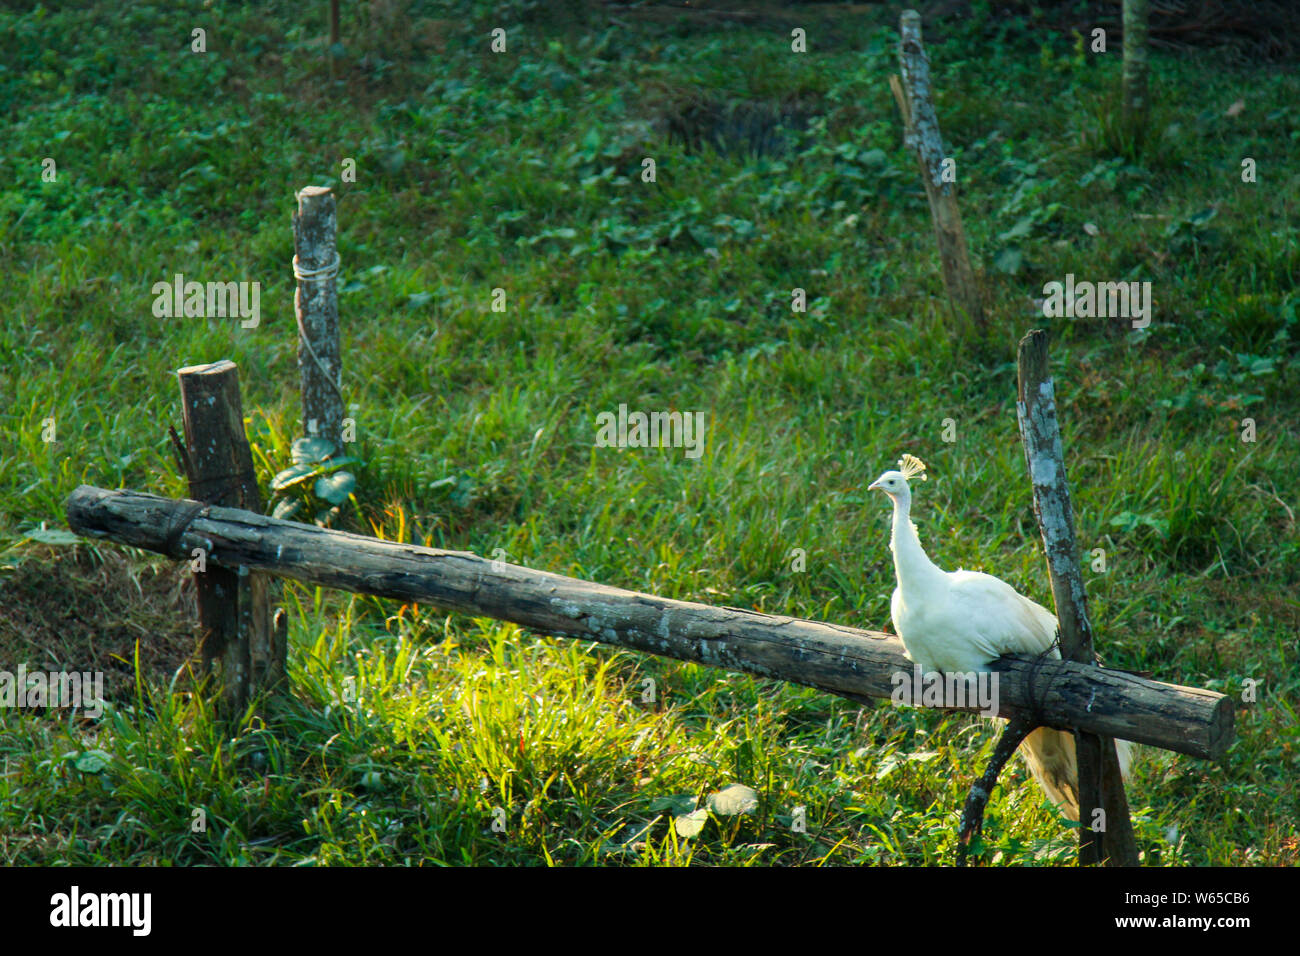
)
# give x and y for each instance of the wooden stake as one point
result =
(921, 133)
(1100, 784)
(240, 646)
(315, 304)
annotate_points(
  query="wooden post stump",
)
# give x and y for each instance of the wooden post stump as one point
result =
(316, 307)
(242, 648)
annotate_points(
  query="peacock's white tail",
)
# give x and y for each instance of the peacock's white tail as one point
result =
(1050, 756)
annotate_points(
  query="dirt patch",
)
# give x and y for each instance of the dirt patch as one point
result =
(80, 610)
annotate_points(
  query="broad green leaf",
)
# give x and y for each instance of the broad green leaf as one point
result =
(678, 803)
(311, 449)
(1023, 227)
(333, 464)
(734, 799)
(93, 761)
(293, 474)
(690, 824)
(335, 488)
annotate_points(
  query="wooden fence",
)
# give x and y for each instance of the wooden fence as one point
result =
(853, 663)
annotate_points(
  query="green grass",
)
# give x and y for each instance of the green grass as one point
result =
(406, 730)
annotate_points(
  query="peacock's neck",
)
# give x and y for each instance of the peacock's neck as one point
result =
(913, 568)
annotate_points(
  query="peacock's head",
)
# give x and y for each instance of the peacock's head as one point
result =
(894, 483)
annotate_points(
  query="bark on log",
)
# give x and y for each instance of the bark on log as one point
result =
(1100, 783)
(853, 663)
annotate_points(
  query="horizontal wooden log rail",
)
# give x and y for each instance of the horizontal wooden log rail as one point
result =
(853, 663)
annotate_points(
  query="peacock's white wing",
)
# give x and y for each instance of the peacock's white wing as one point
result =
(1001, 620)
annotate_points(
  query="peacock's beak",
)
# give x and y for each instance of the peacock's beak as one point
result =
(873, 486)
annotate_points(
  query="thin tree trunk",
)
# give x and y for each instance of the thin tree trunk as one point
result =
(1137, 100)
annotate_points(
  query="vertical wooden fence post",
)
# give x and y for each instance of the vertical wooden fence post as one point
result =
(1100, 784)
(921, 133)
(242, 647)
(315, 304)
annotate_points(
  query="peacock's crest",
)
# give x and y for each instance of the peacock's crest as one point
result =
(912, 467)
